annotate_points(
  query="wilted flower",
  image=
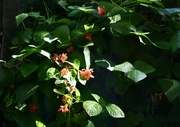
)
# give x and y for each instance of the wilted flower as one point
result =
(101, 10)
(63, 108)
(70, 49)
(86, 74)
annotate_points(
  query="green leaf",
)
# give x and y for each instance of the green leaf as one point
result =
(28, 69)
(171, 88)
(99, 99)
(76, 64)
(39, 35)
(27, 35)
(51, 72)
(115, 111)
(78, 95)
(24, 91)
(87, 57)
(63, 4)
(136, 75)
(144, 67)
(104, 63)
(6, 77)
(63, 33)
(39, 124)
(88, 123)
(92, 108)
(124, 67)
(175, 41)
(121, 27)
(20, 18)
(175, 70)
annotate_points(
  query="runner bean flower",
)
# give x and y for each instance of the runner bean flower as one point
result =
(101, 10)
(86, 73)
(63, 108)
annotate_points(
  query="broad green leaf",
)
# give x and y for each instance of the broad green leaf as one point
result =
(78, 95)
(99, 99)
(121, 27)
(52, 72)
(34, 14)
(39, 124)
(1, 91)
(124, 67)
(6, 77)
(136, 75)
(162, 44)
(20, 18)
(63, 4)
(28, 68)
(63, 33)
(88, 123)
(39, 35)
(92, 108)
(76, 64)
(24, 91)
(144, 67)
(175, 41)
(115, 111)
(171, 88)
(87, 57)
(27, 35)
(173, 10)
(104, 63)
(175, 70)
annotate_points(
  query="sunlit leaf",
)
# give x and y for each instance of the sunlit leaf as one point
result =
(39, 124)
(136, 75)
(92, 108)
(99, 99)
(20, 18)
(124, 67)
(115, 111)
(87, 57)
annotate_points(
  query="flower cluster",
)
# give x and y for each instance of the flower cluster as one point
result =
(101, 11)
(60, 58)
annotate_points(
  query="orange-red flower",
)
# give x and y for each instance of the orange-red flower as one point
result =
(33, 107)
(71, 89)
(63, 108)
(101, 10)
(64, 71)
(88, 36)
(63, 57)
(55, 57)
(86, 74)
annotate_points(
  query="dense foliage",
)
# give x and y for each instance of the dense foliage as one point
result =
(94, 64)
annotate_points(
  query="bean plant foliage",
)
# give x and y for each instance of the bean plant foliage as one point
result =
(97, 63)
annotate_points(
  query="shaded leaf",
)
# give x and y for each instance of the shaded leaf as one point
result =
(28, 69)
(24, 91)
(171, 88)
(175, 41)
(144, 67)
